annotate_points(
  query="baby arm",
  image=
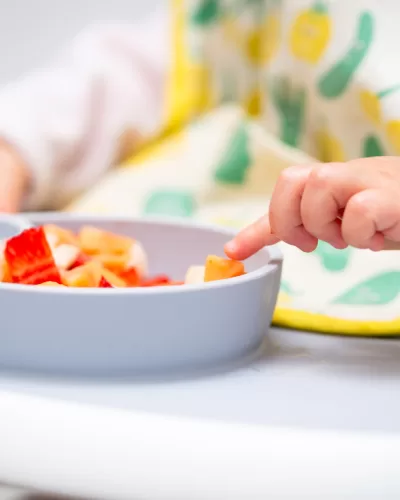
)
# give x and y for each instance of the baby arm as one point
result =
(64, 126)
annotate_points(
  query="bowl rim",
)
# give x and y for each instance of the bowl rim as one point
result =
(273, 252)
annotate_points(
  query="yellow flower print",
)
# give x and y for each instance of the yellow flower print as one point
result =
(329, 147)
(393, 134)
(263, 42)
(371, 103)
(310, 33)
(254, 103)
(371, 106)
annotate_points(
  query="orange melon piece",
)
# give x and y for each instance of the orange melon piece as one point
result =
(5, 274)
(218, 268)
(85, 276)
(130, 276)
(113, 279)
(49, 283)
(59, 236)
(89, 276)
(113, 262)
(95, 241)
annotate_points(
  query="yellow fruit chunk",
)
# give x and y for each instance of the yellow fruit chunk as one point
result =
(59, 236)
(50, 283)
(218, 268)
(86, 276)
(113, 262)
(96, 241)
(113, 279)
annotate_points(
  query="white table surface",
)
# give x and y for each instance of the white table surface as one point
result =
(314, 417)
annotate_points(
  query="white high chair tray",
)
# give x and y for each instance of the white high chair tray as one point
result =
(314, 417)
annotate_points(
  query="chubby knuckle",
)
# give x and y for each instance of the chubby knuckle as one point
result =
(288, 175)
(321, 177)
(363, 205)
(293, 173)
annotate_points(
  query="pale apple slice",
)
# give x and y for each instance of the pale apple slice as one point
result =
(138, 259)
(195, 275)
(65, 256)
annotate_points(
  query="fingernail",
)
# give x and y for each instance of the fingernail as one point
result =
(231, 247)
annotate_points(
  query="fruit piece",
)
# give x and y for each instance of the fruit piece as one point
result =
(115, 280)
(194, 275)
(65, 256)
(58, 236)
(29, 258)
(220, 269)
(85, 276)
(138, 259)
(90, 274)
(49, 283)
(130, 276)
(116, 263)
(5, 276)
(95, 241)
(104, 283)
(159, 280)
(80, 260)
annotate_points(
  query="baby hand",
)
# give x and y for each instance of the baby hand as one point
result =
(13, 179)
(355, 203)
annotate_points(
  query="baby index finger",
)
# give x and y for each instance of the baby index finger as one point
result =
(251, 239)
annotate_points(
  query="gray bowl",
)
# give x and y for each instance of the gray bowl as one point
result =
(144, 330)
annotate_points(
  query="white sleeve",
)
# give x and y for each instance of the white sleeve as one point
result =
(67, 121)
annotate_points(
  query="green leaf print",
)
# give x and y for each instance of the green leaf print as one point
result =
(286, 288)
(236, 160)
(372, 147)
(378, 290)
(290, 104)
(332, 259)
(206, 12)
(171, 203)
(336, 80)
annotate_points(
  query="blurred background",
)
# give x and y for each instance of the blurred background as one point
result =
(31, 31)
